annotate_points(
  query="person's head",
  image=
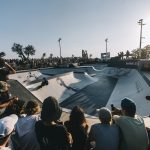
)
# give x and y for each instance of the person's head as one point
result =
(4, 88)
(17, 107)
(128, 107)
(77, 116)
(32, 108)
(50, 110)
(7, 125)
(105, 115)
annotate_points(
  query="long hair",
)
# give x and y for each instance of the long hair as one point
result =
(50, 109)
(77, 116)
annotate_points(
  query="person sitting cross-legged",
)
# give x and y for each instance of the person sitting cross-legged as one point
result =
(25, 127)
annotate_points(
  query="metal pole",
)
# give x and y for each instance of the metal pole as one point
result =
(141, 28)
(141, 23)
(106, 40)
(60, 50)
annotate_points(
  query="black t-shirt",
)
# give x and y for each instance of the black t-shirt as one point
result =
(52, 137)
(79, 135)
(3, 74)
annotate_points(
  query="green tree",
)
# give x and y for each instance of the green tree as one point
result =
(17, 48)
(127, 54)
(29, 50)
(135, 53)
(90, 55)
(144, 53)
(23, 53)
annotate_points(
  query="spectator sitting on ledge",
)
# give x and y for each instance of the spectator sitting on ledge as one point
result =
(104, 135)
(49, 133)
(7, 125)
(133, 132)
(5, 99)
(78, 128)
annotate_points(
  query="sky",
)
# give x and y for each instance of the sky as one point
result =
(81, 24)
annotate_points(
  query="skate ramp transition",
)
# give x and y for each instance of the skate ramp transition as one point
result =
(131, 85)
(76, 87)
(60, 86)
(17, 89)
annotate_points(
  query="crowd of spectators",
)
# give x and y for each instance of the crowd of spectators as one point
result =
(26, 126)
(19, 64)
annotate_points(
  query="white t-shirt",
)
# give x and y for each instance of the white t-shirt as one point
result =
(25, 130)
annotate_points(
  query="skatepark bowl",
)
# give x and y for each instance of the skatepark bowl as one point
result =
(90, 87)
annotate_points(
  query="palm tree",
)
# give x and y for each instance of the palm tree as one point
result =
(121, 55)
(51, 56)
(44, 54)
(127, 54)
(90, 56)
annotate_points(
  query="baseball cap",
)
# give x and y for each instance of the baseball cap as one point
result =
(7, 125)
(4, 86)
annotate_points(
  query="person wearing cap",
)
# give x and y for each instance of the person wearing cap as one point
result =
(25, 127)
(7, 125)
(5, 70)
(50, 134)
(104, 135)
(5, 99)
(133, 132)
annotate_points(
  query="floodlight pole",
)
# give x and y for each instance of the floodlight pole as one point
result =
(140, 22)
(60, 49)
(106, 40)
